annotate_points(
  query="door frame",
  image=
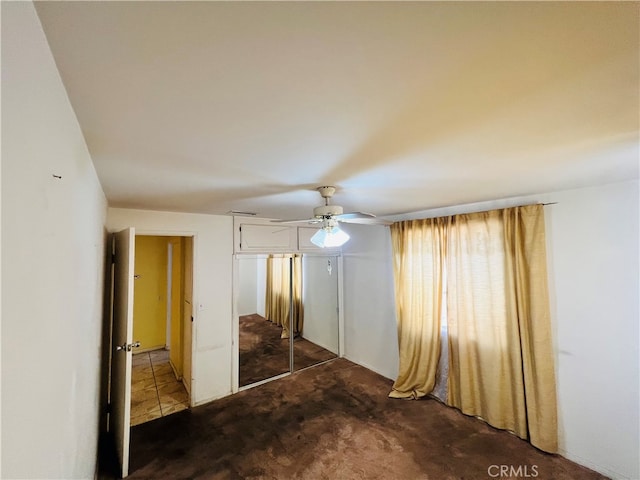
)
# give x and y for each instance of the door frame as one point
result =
(170, 298)
(194, 284)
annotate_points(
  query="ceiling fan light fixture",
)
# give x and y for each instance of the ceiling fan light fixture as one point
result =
(330, 236)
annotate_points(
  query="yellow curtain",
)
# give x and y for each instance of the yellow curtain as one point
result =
(498, 324)
(418, 264)
(277, 289)
(298, 310)
(500, 351)
(277, 301)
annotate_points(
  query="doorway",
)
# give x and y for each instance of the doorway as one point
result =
(161, 366)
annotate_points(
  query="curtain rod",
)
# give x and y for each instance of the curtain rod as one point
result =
(476, 211)
(526, 205)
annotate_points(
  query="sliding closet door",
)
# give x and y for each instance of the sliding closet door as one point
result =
(262, 306)
(319, 338)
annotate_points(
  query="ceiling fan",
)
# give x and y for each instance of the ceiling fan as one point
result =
(330, 234)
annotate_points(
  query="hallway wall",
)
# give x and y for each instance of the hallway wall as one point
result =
(213, 249)
(150, 292)
(53, 254)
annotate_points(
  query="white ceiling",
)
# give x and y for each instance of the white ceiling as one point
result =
(216, 106)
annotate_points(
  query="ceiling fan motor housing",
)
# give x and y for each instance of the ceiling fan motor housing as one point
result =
(327, 211)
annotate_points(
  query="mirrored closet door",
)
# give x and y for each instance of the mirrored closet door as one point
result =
(318, 340)
(284, 298)
(263, 342)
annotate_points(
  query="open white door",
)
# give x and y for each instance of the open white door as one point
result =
(119, 420)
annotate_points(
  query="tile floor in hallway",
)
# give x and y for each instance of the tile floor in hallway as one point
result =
(155, 392)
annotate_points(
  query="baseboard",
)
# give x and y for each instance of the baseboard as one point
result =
(368, 367)
(175, 371)
(147, 350)
(186, 387)
(211, 399)
(608, 471)
(327, 348)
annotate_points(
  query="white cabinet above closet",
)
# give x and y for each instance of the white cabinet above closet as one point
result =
(274, 238)
(259, 235)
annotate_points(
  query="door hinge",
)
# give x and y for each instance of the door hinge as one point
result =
(108, 408)
(113, 258)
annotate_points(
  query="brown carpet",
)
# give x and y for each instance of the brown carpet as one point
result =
(333, 421)
(263, 354)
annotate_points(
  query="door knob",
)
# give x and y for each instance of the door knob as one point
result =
(126, 347)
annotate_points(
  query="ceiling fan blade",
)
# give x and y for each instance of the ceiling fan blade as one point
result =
(353, 215)
(306, 220)
(362, 218)
(367, 221)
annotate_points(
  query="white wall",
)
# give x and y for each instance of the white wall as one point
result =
(371, 337)
(212, 289)
(593, 260)
(53, 243)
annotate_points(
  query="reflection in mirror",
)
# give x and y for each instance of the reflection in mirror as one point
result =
(319, 339)
(268, 303)
(263, 347)
(282, 296)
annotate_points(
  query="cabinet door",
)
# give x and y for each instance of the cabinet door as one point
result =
(304, 240)
(274, 238)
